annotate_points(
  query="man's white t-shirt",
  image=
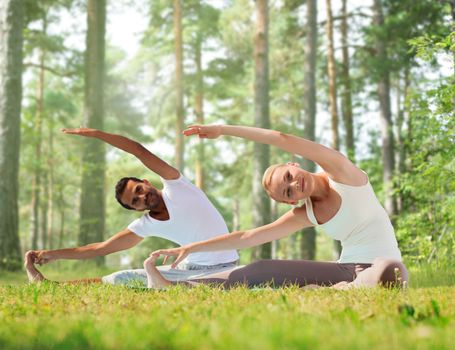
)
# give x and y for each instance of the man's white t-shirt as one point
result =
(192, 218)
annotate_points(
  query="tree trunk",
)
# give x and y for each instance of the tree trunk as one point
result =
(61, 204)
(308, 241)
(402, 97)
(388, 157)
(179, 143)
(50, 163)
(331, 69)
(261, 153)
(11, 23)
(235, 214)
(274, 216)
(332, 77)
(403, 116)
(92, 209)
(36, 206)
(43, 209)
(346, 96)
(199, 104)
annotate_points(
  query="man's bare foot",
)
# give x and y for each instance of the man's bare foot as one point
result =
(33, 274)
(154, 278)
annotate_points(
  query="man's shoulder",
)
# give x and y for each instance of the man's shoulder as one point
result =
(182, 184)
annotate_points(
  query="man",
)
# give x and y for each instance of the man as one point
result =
(180, 212)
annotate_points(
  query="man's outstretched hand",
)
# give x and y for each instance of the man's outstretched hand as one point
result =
(203, 131)
(39, 257)
(87, 132)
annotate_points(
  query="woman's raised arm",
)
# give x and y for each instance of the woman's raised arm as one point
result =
(333, 162)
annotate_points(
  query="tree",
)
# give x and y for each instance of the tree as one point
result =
(308, 242)
(201, 27)
(261, 153)
(178, 47)
(92, 209)
(331, 70)
(11, 23)
(199, 105)
(346, 83)
(383, 91)
(38, 140)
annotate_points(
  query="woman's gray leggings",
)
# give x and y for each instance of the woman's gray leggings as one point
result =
(279, 273)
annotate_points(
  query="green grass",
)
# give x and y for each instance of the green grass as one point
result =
(56, 316)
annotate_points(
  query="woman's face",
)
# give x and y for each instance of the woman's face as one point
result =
(289, 184)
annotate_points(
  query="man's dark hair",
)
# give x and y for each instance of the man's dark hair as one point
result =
(120, 188)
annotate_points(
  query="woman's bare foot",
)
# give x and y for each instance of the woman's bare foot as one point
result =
(154, 278)
(33, 274)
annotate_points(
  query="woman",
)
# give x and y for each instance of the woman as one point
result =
(340, 199)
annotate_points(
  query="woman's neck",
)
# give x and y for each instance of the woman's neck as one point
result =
(321, 188)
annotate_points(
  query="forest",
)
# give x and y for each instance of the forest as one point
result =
(372, 79)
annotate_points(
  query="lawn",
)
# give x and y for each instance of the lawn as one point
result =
(56, 316)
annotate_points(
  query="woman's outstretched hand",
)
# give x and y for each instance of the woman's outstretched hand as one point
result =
(203, 131)
(180, 253)
(87, 132)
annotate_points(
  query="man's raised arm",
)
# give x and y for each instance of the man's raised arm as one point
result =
(120, 241)
(150, 160)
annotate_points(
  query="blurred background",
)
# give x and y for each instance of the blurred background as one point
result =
(374, 79)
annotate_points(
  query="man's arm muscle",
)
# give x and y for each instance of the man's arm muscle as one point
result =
(120, 241)
(151, 161)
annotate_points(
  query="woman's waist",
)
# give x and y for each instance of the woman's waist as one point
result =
(368, 251)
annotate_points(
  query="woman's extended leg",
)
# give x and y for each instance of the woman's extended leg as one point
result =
(298, 272)
(279, 273)
(286, 272)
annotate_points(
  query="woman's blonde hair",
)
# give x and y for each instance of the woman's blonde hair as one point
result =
(267, 179)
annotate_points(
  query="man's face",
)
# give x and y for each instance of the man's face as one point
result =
(141, 195)
(290, 183)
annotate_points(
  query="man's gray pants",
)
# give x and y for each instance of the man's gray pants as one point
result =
(138, 277)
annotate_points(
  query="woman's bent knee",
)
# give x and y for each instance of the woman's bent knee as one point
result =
(393, 273)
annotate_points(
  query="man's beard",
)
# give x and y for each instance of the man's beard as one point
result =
(152, 200)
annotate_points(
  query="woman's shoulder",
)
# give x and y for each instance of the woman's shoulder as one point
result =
(349, 175)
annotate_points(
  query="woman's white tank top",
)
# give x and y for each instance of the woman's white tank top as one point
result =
(361, 224)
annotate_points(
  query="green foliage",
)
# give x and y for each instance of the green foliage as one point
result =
(139, 104)
(426, 227)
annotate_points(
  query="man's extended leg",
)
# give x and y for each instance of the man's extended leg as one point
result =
(32, 273)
